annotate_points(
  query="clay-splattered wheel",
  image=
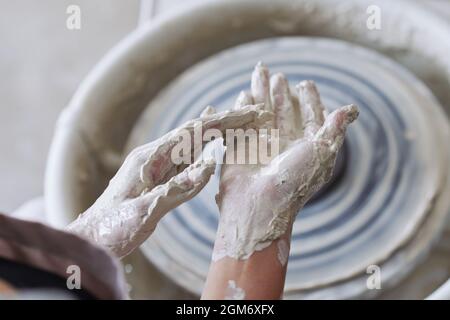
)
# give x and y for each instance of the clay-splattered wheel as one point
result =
(394, 167)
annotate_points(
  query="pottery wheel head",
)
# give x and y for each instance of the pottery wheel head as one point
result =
(385, 179)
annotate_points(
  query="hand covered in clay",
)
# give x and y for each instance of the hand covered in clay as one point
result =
(150, 183)
(258, 202)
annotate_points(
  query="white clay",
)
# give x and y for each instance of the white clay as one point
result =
(258, 203)
(149, 184)
(234, 292)
(283, 251)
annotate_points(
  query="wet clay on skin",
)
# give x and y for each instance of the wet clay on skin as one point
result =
(150, 183)
(258, 203)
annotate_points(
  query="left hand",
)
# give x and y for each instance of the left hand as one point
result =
(149, 184)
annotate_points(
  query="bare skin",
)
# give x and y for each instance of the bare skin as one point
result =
(258, 203)
(261, 276)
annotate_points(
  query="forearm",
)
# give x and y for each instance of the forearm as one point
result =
(261, 276)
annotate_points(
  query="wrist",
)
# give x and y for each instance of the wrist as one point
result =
(240, 234)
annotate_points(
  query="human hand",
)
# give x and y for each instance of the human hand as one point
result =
(258, 202)
(150, 183)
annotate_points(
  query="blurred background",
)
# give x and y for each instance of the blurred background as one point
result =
(41, 64)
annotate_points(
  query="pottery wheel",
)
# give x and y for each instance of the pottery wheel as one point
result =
(391, 169)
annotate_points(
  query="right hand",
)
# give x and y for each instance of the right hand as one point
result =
(258, 202)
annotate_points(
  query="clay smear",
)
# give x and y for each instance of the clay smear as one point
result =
(283, 252)
(234, 292)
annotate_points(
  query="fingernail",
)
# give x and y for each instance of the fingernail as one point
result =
(352, 112)
(306, 84)
(260, 64)
(208, 111)
(278, 83)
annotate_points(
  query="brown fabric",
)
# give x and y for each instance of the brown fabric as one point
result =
(54, 251)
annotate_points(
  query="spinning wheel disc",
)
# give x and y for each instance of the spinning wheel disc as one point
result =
(383, 190)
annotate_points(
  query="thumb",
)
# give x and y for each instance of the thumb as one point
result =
(333, 130)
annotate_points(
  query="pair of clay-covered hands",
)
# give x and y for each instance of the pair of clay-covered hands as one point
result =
(257, 202)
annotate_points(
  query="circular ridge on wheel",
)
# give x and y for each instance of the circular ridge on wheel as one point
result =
(373, 209)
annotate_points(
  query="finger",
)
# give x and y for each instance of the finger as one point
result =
(282, 105)
(311, 107)
(298, 116)
(209, 110)
(147, 210)
(244, 99)
(336, 124)
(180, 188)
(160, 158)
(260, 86)
(250, 115)
(130, 224)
